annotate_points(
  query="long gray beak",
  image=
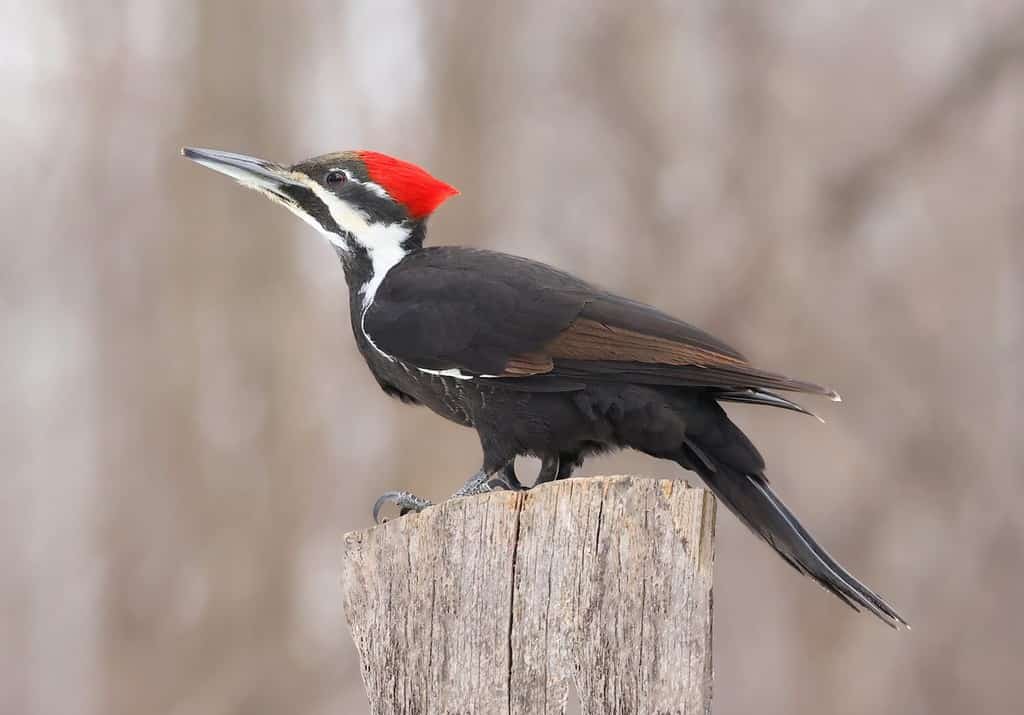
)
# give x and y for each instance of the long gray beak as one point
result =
(247, 170)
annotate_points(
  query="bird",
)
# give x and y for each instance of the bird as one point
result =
(537, 361)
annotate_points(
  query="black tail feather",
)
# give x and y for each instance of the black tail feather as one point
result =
(753, 501)
(764, 397)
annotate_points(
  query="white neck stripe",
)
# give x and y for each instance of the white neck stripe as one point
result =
(383, 242)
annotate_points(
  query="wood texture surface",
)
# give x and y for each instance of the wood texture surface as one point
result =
(500, 603)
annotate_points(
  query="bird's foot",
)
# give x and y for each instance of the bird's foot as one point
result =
(499, 483)
(405, 501)
(480, 483)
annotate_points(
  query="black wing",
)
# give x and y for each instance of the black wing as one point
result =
(492, 314)
(480, 312)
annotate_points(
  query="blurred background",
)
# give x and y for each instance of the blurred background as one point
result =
(188, 429)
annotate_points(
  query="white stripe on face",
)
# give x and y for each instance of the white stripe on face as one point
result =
(382, 241)
(332, 238)
(369, 185)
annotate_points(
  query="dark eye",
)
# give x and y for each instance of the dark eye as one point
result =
(335, 176)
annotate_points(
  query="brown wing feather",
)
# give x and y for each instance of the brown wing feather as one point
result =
(588, 339)
(528, 364)
(678, 361)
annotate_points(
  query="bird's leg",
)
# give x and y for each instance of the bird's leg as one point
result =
(407, 502)
(507, 479)
(567, 464)
(477, 484)
(558, 467)
(548, 470)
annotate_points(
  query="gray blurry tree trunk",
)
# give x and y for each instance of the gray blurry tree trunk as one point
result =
(497, 604)
(207, 541)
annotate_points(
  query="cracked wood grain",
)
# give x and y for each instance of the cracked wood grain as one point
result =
(503, 602)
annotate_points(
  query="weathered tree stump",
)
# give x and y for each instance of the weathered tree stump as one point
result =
(499, 603)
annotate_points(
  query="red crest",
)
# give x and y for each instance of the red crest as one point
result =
(407, 183)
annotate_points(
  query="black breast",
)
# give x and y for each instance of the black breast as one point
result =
(449, 397)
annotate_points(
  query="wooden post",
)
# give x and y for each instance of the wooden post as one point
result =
(502, 602)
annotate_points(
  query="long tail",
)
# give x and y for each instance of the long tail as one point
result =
(749, 497)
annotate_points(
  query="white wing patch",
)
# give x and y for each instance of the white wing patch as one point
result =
(450, 372)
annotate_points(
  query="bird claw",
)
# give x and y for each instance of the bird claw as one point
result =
(500, 482)
(479, 483)
(405, 501)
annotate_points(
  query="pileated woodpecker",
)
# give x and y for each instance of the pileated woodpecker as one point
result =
(537, 361)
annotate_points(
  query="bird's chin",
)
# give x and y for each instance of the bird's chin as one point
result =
(283, 199)
(277, 197)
